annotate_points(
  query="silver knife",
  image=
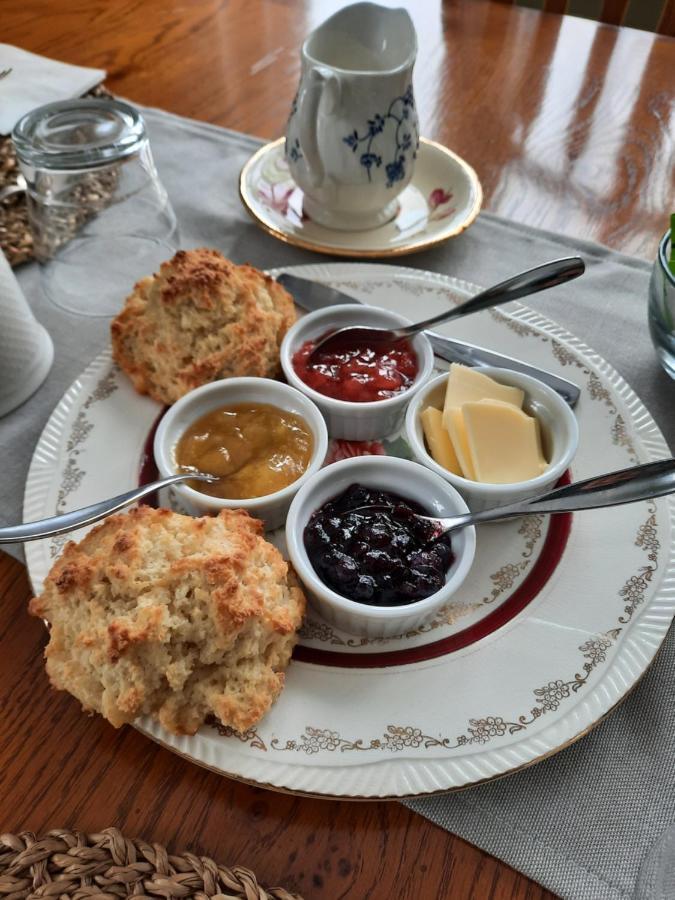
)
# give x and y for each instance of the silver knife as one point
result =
(311, 295)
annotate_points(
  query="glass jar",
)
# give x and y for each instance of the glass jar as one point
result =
(662, 306)
(99, 216)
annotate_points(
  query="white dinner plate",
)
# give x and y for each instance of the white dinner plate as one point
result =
(556, 623)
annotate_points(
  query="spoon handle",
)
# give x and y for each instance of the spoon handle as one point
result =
(537, 279)
(69, 521)
(625, 486)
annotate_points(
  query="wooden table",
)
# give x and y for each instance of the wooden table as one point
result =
(569, 125)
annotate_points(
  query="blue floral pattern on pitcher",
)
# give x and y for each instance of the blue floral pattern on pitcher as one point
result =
(293, 150)
(405, 135)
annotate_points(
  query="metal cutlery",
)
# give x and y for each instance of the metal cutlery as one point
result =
(312, 295)
(78, 518)
(548, 275)
(643, 482)
(18, 187)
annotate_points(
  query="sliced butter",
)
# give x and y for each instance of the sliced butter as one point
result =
(454, 422)
(467, 385)
(504, 442)
(438, 440)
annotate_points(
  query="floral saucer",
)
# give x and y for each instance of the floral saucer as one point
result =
(440, 202)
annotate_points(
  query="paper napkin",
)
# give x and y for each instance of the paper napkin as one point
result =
(35, 80)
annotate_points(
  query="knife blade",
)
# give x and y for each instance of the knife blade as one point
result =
(313, 295)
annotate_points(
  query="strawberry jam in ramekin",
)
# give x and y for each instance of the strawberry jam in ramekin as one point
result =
(359, 373)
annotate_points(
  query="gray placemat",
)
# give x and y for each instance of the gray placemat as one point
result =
(580, 822)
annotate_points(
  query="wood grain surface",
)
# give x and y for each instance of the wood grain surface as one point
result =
(59, 767)
(568, 123)
(570, 127)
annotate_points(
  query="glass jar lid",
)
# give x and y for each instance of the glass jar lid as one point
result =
(78, 134)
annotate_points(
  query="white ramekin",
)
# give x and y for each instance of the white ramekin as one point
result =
(271, 508)
(560, 434)
(388, 473)
(355, 421)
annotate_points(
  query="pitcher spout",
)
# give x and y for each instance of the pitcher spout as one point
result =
(364, 37)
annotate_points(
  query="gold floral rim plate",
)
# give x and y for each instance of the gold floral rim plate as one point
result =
(442, 200)
(557, 622)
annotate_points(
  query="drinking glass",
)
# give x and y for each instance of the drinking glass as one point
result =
(662, 306)
(99, 215)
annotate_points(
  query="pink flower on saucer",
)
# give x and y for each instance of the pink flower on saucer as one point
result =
(275, 196)
(341, 449)
(439, 208)
(438, 197)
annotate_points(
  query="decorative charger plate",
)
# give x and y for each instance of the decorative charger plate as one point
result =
(558, 620)
(441, 201)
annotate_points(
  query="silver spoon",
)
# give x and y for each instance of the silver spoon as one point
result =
(18, 187)
(78, 518)
(537, 279)
(625, 486)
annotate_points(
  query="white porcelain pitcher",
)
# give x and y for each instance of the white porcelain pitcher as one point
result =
(352, 135)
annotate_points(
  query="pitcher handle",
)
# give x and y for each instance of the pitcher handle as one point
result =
(316, 82)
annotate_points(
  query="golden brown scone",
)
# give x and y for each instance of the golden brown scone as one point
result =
(198, 319)
(155, 613)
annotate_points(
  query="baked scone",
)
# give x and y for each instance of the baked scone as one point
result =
(155, 613)
(200, 318)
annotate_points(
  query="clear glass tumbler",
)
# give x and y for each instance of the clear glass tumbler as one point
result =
(662, 306)
(99, 215)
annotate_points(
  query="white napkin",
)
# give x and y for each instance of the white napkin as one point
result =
(35, 80)
(26, 350)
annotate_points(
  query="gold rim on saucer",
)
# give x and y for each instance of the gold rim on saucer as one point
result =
(270, 220)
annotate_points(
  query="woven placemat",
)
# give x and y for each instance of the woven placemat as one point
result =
(65, 864)
(16, 241)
